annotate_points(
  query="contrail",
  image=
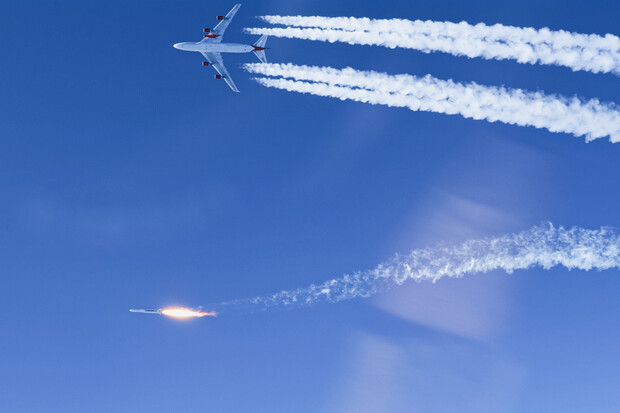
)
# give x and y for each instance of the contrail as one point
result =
(591, 119)
(588, 52)
(543, 246)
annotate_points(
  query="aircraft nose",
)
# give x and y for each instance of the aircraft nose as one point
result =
(177, 45)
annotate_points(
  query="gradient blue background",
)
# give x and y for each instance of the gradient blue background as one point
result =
(130, 178)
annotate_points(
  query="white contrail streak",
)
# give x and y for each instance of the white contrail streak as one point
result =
(542, 246)
(591, 119)
(588, 52)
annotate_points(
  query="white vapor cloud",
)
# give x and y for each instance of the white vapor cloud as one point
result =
(591, 119)
(544, 246)
(588, 52)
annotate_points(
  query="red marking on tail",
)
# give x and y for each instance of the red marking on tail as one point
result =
(257, 48)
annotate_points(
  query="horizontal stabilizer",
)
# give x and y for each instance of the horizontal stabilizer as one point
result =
(261, 41)
(259, 48)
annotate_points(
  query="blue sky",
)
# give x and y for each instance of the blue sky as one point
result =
(132, 179)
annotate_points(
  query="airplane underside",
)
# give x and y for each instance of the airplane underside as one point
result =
(211, 47)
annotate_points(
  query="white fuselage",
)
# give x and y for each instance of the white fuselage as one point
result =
(207, 47)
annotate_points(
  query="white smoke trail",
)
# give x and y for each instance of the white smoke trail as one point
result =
(591, 119)
(543, 246)
(588, 52)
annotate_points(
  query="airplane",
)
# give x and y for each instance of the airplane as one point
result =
(211, 47)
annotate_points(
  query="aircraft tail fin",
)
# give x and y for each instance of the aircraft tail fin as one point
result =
(259, 48)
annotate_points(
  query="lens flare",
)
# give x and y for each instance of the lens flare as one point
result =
(183, 313)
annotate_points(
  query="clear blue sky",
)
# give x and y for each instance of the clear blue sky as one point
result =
(130, 178)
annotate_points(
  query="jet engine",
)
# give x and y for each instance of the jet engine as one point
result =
(220, 17)
(206, 30)
(218, 76)
(206, 63)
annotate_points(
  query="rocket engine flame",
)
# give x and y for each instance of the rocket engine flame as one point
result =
(184, 313)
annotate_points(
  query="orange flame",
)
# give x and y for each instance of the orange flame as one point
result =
(183, 313)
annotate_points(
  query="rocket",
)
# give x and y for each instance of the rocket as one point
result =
(145, 311)
(175, 312)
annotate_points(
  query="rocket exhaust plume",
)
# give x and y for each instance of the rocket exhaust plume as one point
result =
(176, 312)
(542, 246)
(588, 52)
(589, 118)
(184, 313)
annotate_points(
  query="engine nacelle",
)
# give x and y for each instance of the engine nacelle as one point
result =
(206, 63)
(206, 30)
(218, 76)
(210, 36)
(220, 17)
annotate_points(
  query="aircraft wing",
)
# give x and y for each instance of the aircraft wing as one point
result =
(216, 60)
(221, 27)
